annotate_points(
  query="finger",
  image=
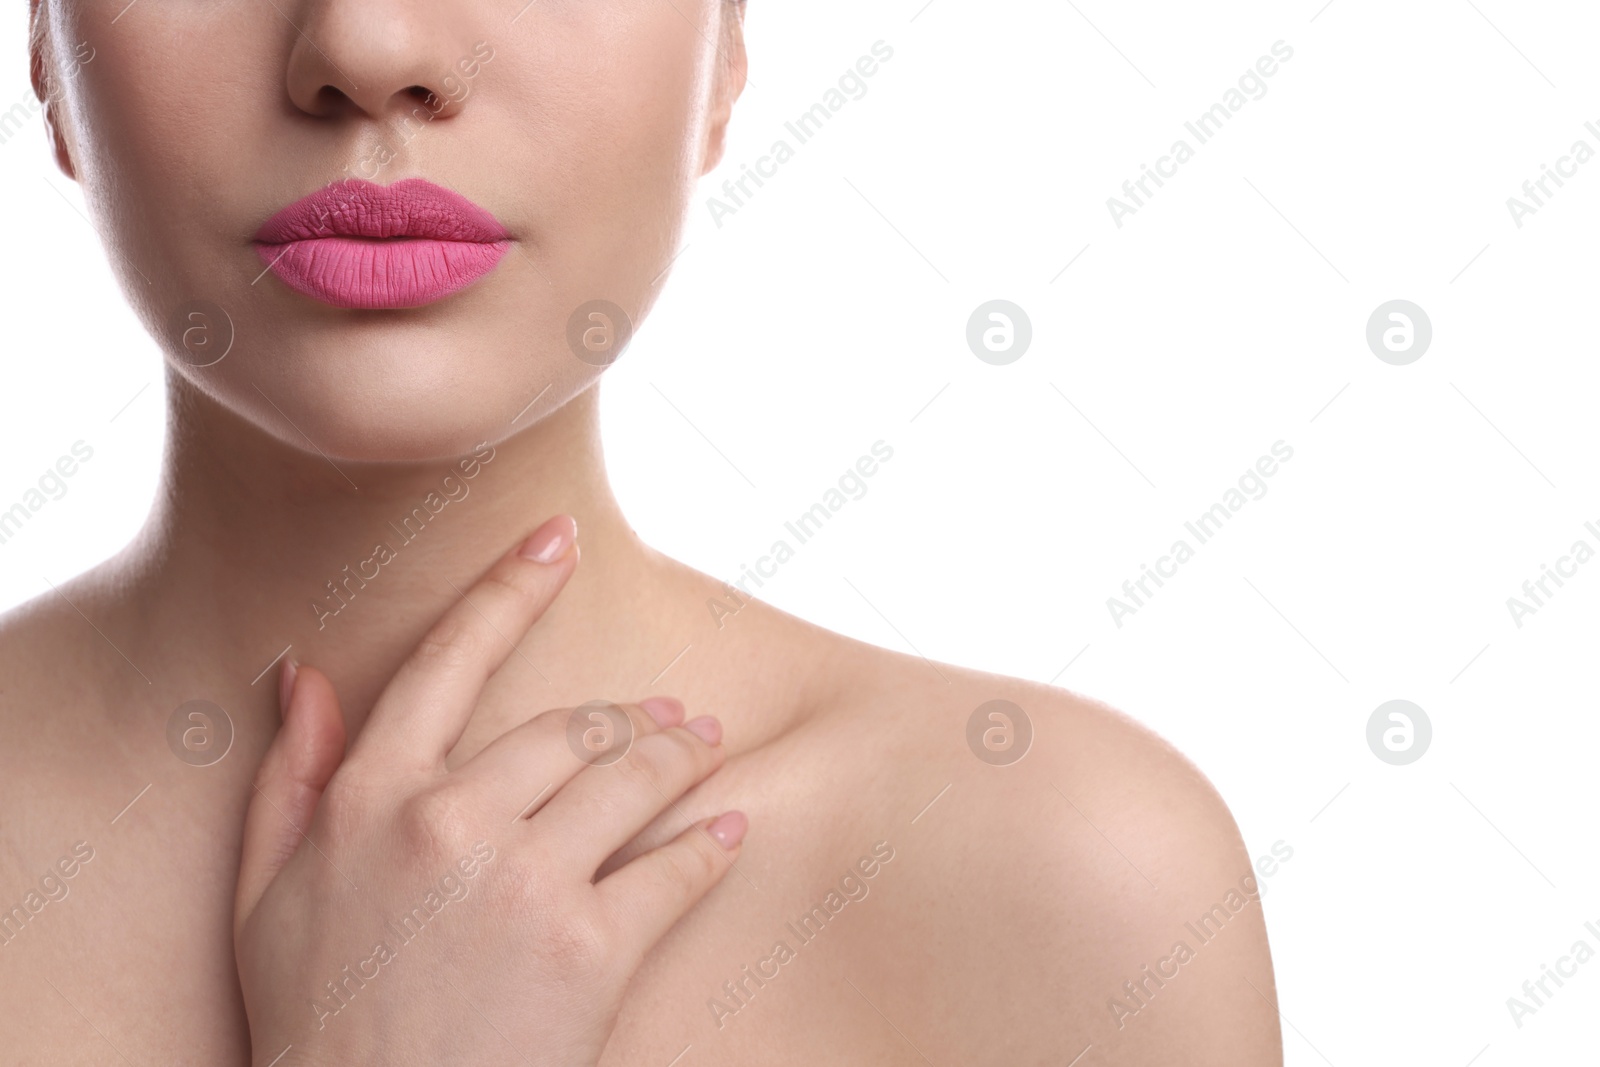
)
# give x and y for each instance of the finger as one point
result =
(649, 894)
(605, 807)
(302, 758)
(425, 707)
(523, 768)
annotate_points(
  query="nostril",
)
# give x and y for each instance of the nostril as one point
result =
(428, 98)
(328, 101)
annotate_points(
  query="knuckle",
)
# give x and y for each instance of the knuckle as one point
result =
(549, 727)
(693, 759)
(607, 806)
(576, 944)
(515, 583)
(651, 768)
(523, 880)
(434, 823)
(701, 756)
(452, 644)
(643, 724)
(552, 719)
(691, 867)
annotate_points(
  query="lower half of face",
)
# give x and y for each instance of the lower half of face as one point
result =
(382, 229)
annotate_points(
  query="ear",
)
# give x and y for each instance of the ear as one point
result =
(40, 54)
(735, 67)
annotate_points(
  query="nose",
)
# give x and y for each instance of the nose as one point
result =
(378, 58)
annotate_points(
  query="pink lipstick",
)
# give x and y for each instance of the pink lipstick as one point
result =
(355, 244)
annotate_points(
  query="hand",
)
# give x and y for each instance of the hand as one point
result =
(428, 916)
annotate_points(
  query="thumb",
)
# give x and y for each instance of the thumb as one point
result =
(308, 749)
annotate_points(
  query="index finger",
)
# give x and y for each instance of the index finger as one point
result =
(425, 707)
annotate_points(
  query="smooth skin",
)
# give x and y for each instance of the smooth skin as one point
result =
(1007, 905)
(394, 816)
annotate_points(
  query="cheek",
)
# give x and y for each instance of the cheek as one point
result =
(614, 148)
(172, 131)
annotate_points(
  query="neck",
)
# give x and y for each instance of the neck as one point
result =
(255, 546)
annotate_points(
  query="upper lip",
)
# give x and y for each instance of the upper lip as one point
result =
(414, 208)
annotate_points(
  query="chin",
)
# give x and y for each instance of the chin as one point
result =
(372, 392)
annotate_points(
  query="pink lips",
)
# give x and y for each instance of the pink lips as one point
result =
(355, 244)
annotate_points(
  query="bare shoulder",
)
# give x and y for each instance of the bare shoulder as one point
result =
(37, 665)
(56, 704)
(50, 652)
(1067, 880)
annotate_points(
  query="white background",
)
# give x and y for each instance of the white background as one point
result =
(1226, 315)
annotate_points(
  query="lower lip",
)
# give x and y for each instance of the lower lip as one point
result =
(385, 274)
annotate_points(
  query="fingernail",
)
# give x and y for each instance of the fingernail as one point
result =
(705, 728)
(286, 676)
(664, 710)
(551, 541)
(728, 828)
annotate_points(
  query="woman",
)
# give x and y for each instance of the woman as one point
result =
(389, 247)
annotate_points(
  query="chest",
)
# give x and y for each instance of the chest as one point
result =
(131, 954)
(792, 936)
